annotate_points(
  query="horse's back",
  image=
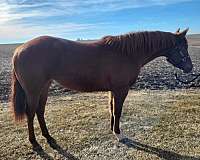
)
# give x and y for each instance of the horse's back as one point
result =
(42, 48)
(45, 58)
(34, 60)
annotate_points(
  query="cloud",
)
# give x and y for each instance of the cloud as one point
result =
(17, 31)
(31, 18)
(15, 11)
(19, 9)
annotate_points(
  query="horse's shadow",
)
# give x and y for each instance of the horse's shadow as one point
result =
(167, 155)
(59, 149)
(43, 154)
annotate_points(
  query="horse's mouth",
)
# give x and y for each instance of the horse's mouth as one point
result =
(187, 69)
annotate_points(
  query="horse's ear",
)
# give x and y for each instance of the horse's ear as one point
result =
(178, 31)
(183, 33)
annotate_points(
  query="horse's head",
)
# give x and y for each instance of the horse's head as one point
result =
(178, 55)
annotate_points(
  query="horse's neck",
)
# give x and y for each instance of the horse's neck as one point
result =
(158, 47)
(147, 57)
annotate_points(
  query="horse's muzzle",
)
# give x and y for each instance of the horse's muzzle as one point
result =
(188, 68)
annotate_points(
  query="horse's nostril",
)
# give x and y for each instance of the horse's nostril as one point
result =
(188, 68)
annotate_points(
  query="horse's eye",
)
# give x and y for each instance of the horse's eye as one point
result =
(184, 59)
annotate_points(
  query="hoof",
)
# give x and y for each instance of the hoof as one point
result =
(37, 147)
(52, 142)
(120, 137)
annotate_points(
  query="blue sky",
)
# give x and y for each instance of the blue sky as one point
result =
(22, 20)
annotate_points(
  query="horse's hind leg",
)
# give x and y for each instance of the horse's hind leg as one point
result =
(40, 113)
(32, 103)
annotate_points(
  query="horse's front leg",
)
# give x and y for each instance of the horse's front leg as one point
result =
(119, 97)
(111, 104)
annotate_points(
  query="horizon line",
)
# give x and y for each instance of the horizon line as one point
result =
(77, 39)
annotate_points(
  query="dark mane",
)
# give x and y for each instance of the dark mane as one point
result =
(140, 42)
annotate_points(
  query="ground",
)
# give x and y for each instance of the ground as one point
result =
(158, 125)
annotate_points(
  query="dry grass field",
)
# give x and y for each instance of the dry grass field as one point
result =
(159, 125)
(161, 118)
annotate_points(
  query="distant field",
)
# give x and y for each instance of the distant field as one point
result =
(194, 40)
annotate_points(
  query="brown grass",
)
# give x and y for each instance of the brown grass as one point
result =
(159, 124)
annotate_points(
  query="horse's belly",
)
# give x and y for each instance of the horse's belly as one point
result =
(84, 85)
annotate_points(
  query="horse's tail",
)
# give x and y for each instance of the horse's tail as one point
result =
(18, 103)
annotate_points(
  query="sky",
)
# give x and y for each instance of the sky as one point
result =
(22, 20)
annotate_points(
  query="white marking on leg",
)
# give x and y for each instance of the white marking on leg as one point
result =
(120, 136)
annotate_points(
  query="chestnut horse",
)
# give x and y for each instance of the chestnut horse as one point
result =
(109, 64)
